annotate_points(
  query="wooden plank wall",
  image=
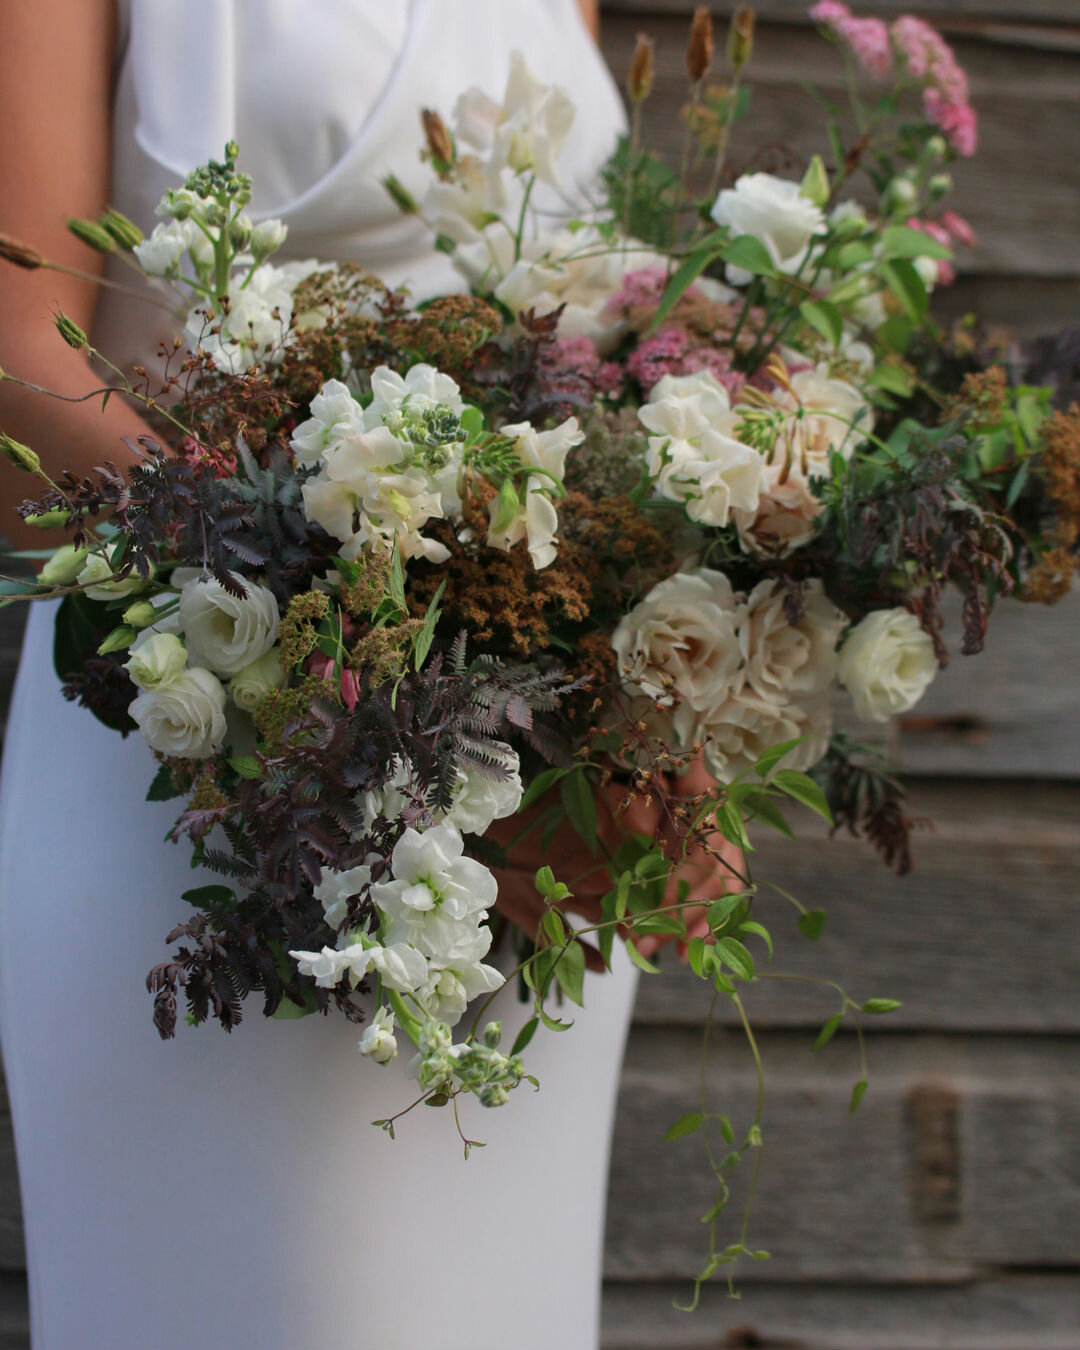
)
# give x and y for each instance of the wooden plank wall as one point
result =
(946, 1213)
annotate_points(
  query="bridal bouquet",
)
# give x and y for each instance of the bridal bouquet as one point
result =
(406, 598)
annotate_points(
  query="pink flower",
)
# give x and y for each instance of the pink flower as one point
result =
(868, 39)
(957, 120)
(959, 229)
(946, 273)
(671, 352)
(829, 11)
(640, 290)
(323, 667)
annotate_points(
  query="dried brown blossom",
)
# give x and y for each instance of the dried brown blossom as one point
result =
(1060, 467)
(299, 623)
(980, 399)
(448, 333)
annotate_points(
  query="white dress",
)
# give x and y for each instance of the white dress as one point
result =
(220, 1191)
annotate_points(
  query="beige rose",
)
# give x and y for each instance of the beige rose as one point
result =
(785, 661)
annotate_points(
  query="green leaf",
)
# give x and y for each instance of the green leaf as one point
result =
(660, 923)
(858, 1092)
(695, 955)
(752, 926)
(881, 1005)
(472, 422)
(426, 635)
(507, 506)
(688, 1124)
(901, 241)
(570, 972)
(804, 790)
(527, 1032)
(163, 789)
(288, 1010)
(1017, 485)
(764, 764)
(895, 380)
(729, 822)
(811, 924)
(825, 318)
(736, 957)
(397, 580)
(554, 928)
(763, 808)
(750, 254)
(905, 283)
(854, 254)
(577, 800)
(540, 785)
(726, 1130)
(639, 960)
(895, 333)
(720, 910)
(247, 766)
(684, 277)
(622, 894)
(202, 897)
(828, 1031)
(553, 1023)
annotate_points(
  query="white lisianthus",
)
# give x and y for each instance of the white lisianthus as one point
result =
(735, 733)
(251, 685)
(887, 663)
(336, 889)
(63, 567)
(536, 519)
(680, 646)
(438, 897)
(776, 213)
(378, 1041)
(481, 800)
(448, 992)
(184, 718)
(786, 661)
(227, 632)
(95, 577)
(157, 660)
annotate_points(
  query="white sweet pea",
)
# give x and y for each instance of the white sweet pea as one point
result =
(887, 663)
(679, 646)
(480, 800)
(532, 125)
(536, 518)
(459, 209)
(400, 966)
(378, 1041)
(184, 718)
(336, 889)
(157, 660)
(421, 389)
(252, 684)
(95, 577)
(776, 213)
(448, 992)
(227, 632)
(325, 968)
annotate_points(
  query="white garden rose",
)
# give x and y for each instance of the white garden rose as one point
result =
(227, 632)
(184, 718)
(775, 212)
(378, 1041)
(737, 732)
(251, 685)
(157, 660)
(95, 577)
(679, 646)
(785, 661)
(536, 519)
(887, 663)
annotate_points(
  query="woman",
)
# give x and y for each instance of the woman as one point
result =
(217, 1191)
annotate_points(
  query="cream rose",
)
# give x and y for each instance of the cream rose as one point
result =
(737, 732)
(679, 644)
(184, 718)
(775, 212)
(887, 664)
(227, 632)
(786, 661)
(786, 515)
(252, 684)
(157, 660)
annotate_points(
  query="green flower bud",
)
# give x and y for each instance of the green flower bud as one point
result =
(267, 237)
(90, 232)
(936, 147)
(216, 216)
(70, 331)
(901, 195)
(492, 1034)
(939, 187)
(494, 1095)
(126, 233)
(815, 183)
(118, 640)
(63, 567)
(402, 197)
(18, 454)
(240, 233)
(140, 615)
(47, 519)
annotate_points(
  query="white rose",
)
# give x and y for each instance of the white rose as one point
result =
(378, 1041)
(737, 732)
(335, 415)
(680, 645)
(786, 661)
(536, 519)
(95, 578)
(252, 684)
(157, 660)
(887, 664)
(227, 632)
(184, 718)
(775, 212)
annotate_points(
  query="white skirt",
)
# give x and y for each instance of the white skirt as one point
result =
(220, 1190)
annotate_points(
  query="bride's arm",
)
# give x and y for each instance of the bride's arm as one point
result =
(590, 12)
(55, 110)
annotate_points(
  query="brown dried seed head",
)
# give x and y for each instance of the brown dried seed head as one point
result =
(19, 254)
(440, 143)
(740, 43)
(699, 51)
(639, 82)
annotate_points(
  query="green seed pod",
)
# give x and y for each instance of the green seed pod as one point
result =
(126, 233)
(18, 454)
(402, 197)
(70, 331)
(118, 640)
(93, 234)
(48, 519)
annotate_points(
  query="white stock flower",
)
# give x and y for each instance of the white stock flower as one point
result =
(336, 889)
(536, 519)
(184, 718)
(157, 660)
(887, 663)
(776, 213)
(267, 237)
(480, 800)
(400, 966)
(679, 645)
(783, 661)
(256, 328)
(161, 253)
(95, 577)
(448, 992)
(421, 389)
(438, 897)
(737, 732)
(378, 1041)
(227, 632)
(251, 685)
(335, 416)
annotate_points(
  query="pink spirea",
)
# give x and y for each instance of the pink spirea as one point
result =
(946, 273)
(641, 289)
(959, 229)
(671, 352)
(929, 57)
(578, 356)
(868, 39)
(829, 12)
(957, 121)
